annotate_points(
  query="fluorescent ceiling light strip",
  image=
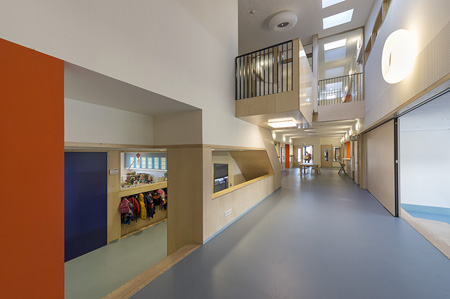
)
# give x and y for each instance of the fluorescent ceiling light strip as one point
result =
(282, 123)
(335, 44)
(326, 3)
(338, 19)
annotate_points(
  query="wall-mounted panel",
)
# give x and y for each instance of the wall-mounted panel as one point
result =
(85, 203)
(380, 165)
(32, 151)
(252, 164)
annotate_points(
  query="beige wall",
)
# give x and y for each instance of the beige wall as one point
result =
(380, 165)
(429, 22)
(341, 112)
(178, 128)
(316, 142)
(240, 200)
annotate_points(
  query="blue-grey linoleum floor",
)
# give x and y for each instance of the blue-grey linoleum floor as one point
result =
(316, 237)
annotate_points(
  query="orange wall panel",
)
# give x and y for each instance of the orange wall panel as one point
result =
(32, 176)
(287, 156)
(348, 150)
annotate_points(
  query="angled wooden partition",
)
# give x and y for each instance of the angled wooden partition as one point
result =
(252, 164)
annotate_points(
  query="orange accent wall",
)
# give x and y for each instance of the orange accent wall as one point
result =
(287, 155)
(348, 150)
(32, 175)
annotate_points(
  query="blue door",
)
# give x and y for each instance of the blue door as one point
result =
(85, 203)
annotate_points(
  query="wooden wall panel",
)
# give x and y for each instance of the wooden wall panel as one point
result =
(380, 165)
(113, 196)
(252, 164)
(32, 138)
(238, 201)
(185, 196)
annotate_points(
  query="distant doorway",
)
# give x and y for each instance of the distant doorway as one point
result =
(327, 156)
(308, 154)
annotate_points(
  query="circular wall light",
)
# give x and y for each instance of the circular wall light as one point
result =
(399, 54)
(283, 21)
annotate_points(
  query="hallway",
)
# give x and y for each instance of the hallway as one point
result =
(316, 237)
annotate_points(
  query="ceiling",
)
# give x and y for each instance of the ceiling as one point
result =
(254, 32)
(84, 85)
(432, 116)
(330, 129)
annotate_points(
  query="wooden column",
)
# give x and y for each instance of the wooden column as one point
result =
(185, 197)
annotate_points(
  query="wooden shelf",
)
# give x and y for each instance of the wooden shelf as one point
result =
(141, 189)
(237, 187)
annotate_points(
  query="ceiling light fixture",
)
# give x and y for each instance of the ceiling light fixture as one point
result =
(282, 123)
(283, 21)
(338, 19)
(335, 44)
(399, 54)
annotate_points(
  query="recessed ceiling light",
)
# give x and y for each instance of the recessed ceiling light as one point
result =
(283, 21)
(283, 24)
(326, 3)
(338, 19)
(282, 123)
(335, 44)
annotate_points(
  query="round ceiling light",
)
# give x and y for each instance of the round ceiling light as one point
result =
(399, 54)
(283, 21)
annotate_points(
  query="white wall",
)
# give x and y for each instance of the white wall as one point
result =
(179, 128)
(424, 168)
(429, 21)
(180, 49)
(85, 122)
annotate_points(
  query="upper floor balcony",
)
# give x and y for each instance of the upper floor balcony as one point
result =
(340, 98)
(277, 82)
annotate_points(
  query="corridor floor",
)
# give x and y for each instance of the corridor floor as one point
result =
(316, 237)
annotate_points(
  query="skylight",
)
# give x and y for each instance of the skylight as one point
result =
(335, 44)
(338, 19)
(335, 54)
(326, 3)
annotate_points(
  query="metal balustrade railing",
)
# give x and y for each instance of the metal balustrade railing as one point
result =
(341, 90)
(264, 72)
